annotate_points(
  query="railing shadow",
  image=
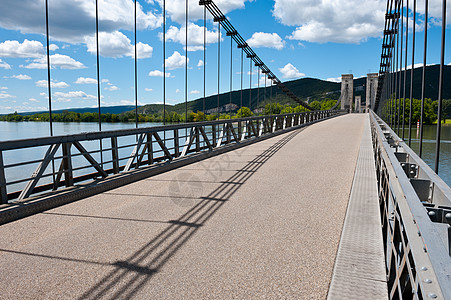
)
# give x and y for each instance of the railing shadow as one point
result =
(131, 275)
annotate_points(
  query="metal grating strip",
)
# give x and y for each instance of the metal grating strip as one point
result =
(359, 270)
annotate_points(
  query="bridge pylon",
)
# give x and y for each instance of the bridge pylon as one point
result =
(371, 90)
(347, 91)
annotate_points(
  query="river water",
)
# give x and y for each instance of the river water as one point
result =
(23, 130)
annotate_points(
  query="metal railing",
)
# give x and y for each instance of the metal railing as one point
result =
(415, 206)
(76, 158)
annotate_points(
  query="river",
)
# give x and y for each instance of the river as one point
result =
(22, 130)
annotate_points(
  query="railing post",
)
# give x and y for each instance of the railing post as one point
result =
(176, 143)
(3, 192)
(114, 154)
(67, 164)
(197, 139)
(213, 134)
(150, 149)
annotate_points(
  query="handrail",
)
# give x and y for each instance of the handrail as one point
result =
(415, 209)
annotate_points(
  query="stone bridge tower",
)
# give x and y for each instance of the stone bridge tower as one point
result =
(347, 91)
(371, 89)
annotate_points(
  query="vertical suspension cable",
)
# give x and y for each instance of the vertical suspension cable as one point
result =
(241, 93)
(265, 90)
(49, 83)
(164, 62)
(250, 84)
(98, 80)
(219, 61)
(258, 86)
(440, 88)
(423, 86)
(405, 71)
(186, 61)
(411, 70)
(48, 65)
(400, 64)
(136, 74)
(205, 55)
(231, 74)
(397, 67)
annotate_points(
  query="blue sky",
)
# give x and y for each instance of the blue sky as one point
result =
(295, 38)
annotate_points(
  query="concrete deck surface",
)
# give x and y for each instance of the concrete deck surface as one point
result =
(263, 221)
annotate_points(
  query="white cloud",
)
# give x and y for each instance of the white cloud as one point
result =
(262, 39)
(158, 73)
(262, 81)
(4, 65)
(105, 80)
(26, 49)
(21, 77)
(3, 87)
(54, 84)
(33, 100)
(175, 61)
(332, 20)
(116, 44)
(5, 95)
(176, 8)
(56, 60)
(200, 63)
(195, 36)
(66, 97)
(86, 80)
(72, 21)
(177, 91)
(334, 79)
(53, 47)
(290, 72)
(194, 92)
(112, 88)
(148, 90)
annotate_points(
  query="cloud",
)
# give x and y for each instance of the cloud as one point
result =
(177, 91)
(56, 60)
(4, 65)
(332, 20)
(290, 72)
(262, 81)
(334, 79)
(195, 36)
(53, 47)
(200, 63)
(71, 21)
(26, 49)
(175, 61)
(86, 80)
(33, 100)
(176, 8)
(21, 77)
(3, 87)
(67, 97)
(54, 84)
(158, 73)
(262, 39)
(116, 44)
(5, 95)
(105, 80)
(194, 92)
(148, 90)
(112, 88)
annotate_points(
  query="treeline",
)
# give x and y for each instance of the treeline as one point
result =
(170, 116)
(430, 110)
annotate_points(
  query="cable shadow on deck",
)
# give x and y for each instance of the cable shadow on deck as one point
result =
(131, 275)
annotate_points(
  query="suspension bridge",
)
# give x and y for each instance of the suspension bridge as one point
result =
(307, 205)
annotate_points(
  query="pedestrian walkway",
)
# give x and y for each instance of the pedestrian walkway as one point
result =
(263, 221)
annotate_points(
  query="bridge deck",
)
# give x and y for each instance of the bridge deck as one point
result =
(263, 221)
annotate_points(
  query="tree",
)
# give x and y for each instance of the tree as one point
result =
(315, 105)
(244, 112)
